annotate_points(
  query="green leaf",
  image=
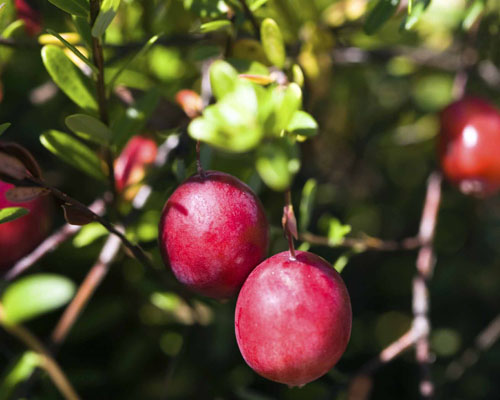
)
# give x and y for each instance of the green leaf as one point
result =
(223, 78)
(68, 77)
(417, 9)
(272, 42)
(89, 233)
(343, 260)
(307, 202)
(75, 7)
(303, 124)
(286, 103)
(4, 127)
(215, 25)
(337, 231)
(73, 152)
(83, 28)
(18, 373)
(34, 295)
(132, 121)
(231, 124)
(472, 14)
(124, 66)
(277, 162)
(105, 17)
(11, 213)
(379, 15)
(74, 50)
(89, 128)
(16, 28)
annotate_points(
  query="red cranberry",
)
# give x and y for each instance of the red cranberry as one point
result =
(19, 237)
(293, 318)
(213, 232)
(469, 146)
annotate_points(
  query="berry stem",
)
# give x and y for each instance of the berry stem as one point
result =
(201, 171)
(288, 222)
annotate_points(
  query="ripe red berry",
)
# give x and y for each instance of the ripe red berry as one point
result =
(213, 232)
(19, 237)
(130, 166)
(469, 146)
(293, 318)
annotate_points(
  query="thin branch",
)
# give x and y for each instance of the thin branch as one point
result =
(98, 57)
(483, 341)
(86, 289)
(289, 223)
(425, 267)
(47, 362)
(251, 17)
(362, 244)
(51, 243)
(135, 249)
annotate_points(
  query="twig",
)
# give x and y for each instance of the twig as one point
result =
(484, 340)
(98, 57)
(425, 266)
(86, 289)
(47, 362)
(51, 243)
(251, 17)
(362, 244)
(289, 223)
(361, 385)
(136, 250)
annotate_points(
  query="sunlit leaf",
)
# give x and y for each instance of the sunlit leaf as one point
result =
(105, 17)
(68, 77)
(379, 15)
(303, 124)
(19, 372)
(223, 78)
(35, 295)
(75, 7)
(337, 231)
(272, 42)
(417, 10)
(89, 233)
(89, 128)
(11, 213)
(472, 14)
(215, 25)
(73, 152)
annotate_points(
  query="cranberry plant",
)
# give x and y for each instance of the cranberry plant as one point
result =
(182, 182)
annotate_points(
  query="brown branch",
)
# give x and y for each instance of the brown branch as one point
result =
(289, 223)
(47, 362)
(50, 243)
(86, 289)
(98, 57)
(483, 341)
(425, 266)
(251, 17)
(135, 249)
(362, 244)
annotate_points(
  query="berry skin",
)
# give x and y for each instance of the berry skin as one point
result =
(19, 237)
(213, 232)
(293, 318)
(469, 146)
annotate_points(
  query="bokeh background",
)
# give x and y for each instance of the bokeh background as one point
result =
(376, 99)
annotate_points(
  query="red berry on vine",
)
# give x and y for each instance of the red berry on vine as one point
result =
(19, 237)
(469, 146)
(130, 166)
(293, 318)
(213, 232)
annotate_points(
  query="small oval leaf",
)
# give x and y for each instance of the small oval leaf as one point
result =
(223, 78)
(89, 128)
(75, 7)
(215, 25)
(4, 127)
(272, 42)
(105, 17)
(34, 295)
(77, 216)
(303, 124)
(68, 77)
(379, 15)
(11, 213)
(12, 167)
(73, 152)
(24, 194)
